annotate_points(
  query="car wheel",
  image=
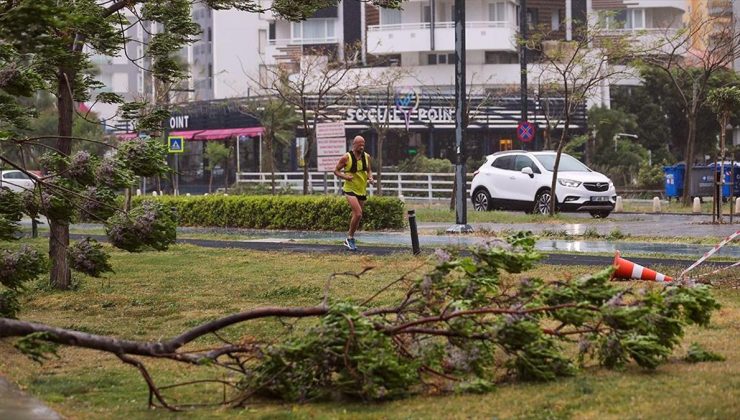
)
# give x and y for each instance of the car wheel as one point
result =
(481, 200)
(600, 214)
(542, 202)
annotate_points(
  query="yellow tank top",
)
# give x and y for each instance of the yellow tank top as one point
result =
(358, 183)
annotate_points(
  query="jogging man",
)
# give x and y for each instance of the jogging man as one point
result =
(354, 168)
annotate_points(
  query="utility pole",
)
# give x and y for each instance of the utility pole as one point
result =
(461, 225)
(523, 59)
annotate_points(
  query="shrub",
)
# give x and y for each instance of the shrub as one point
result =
(650, 177)
(421, 163)
(281, 212)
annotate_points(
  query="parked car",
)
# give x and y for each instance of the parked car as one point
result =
(16, 180)
(521, 180)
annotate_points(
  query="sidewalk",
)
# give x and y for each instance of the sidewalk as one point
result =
(16, 405)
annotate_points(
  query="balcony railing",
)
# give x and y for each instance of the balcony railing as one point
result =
(416, 37)
(301, 41)
(440, 25)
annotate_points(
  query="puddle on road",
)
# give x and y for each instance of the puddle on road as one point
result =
(632, 247)
(389, 238)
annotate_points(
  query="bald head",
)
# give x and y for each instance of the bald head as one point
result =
(358, 144)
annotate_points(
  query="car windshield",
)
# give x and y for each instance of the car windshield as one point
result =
(567, 163)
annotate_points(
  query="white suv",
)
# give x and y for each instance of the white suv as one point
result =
(521, 180)
(16, 180)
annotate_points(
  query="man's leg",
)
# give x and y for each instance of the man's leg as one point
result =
(356, 208)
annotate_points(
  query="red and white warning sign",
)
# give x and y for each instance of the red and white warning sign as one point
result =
(331, 144)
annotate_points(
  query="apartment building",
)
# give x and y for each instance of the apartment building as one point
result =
(420, 40)
(123, 74)
(227, 57)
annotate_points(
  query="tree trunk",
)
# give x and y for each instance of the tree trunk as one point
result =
(60, 275)
(271, 162)
(210, 181)
(561, 145)
(554, 183)
(723, 123)
(226, 172)
(307, 154)
(379, 160)
(689, 157)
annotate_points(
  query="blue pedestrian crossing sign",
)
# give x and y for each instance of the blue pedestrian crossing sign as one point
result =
(176, 143)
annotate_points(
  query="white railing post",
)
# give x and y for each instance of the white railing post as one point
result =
(420, 186)
(429, 186)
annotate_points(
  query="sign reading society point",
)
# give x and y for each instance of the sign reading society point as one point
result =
(176, 144)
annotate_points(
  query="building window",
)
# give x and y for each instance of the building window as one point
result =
(313, 31)
(271, 31)
(446, 58)
(497, 12)
(500, 57)
(210, 35)
(612, 19)
(555, 20)
(120, 82)
(390, 16)
(261, 40)
(635, 19)
(532, 19)
(426, 14)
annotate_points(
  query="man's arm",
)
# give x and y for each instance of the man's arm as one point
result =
(340, 166)
(369, 171)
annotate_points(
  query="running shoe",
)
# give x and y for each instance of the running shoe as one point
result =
(350, 244)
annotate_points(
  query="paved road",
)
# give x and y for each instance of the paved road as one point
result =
(636, 225)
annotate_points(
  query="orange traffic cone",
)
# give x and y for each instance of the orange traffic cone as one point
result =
(625, 269)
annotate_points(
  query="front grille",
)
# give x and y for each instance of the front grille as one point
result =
(596, 186)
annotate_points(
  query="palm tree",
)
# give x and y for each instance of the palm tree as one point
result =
(216, 153)
(279, 121)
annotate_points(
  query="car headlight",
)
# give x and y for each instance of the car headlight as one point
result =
(611, 185)
(569, 183)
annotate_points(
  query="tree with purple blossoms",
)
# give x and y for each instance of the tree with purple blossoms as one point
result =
(48, 46)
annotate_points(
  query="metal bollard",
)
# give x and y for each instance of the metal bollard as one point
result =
(619, 206)
(414, 234)
(696, 205)
(656, 205)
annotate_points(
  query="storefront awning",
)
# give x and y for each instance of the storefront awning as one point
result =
(218, 134)
(126, 136)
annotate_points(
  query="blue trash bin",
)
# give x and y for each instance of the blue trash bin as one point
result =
(674, 176)
(727, 188)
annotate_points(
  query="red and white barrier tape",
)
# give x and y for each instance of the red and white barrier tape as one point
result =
(737, 264)
(710, 253)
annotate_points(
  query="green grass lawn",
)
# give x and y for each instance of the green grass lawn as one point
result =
(157, 295)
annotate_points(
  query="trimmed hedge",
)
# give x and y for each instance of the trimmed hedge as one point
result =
(281, 212)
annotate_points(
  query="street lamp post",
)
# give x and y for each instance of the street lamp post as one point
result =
(618, 135)
(461, 225)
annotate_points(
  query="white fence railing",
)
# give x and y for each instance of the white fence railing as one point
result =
(411, 185)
